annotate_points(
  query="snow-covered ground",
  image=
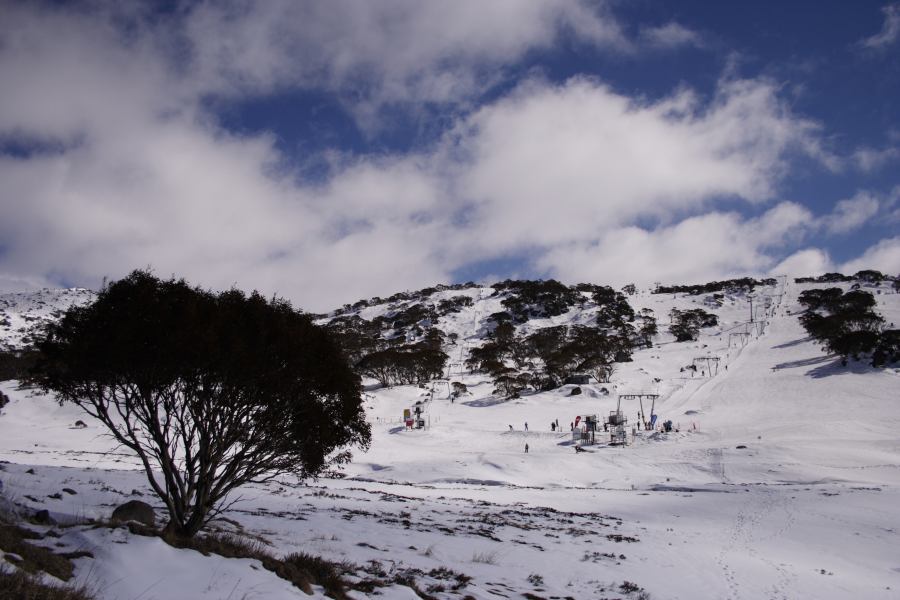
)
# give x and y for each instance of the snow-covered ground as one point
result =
(20, 312)
(782, 481)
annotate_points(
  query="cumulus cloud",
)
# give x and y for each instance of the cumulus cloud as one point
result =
(890, 30)
(808, 262)
(377, 53)
(120, 165)
(712, 245)
(851, 213)
(554, 164)
(884, 256)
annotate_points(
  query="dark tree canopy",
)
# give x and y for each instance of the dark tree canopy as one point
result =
(847, 324)
(686, 324)
(210, 390)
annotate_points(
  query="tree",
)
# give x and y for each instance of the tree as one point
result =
(210, 390)
(686, 324)
(870, 275)
(648, 328)
(846, 324)
(509, 382)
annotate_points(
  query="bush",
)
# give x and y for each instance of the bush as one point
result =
(210, 390)
(685, 325)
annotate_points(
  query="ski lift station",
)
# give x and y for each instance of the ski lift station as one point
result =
(415, 417)
(586, 428)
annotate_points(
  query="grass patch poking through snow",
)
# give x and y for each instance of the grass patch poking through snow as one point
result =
(30, 557)
(22, 586)
(302, 570)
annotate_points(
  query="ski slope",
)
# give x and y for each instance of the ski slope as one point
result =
(782, 481)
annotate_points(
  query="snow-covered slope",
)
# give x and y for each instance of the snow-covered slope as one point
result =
(21, 312)
(782, 481)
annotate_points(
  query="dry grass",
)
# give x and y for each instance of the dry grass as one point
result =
(302, 570)
(22, 586)
(34, 559)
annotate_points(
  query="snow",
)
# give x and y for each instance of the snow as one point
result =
(22, 311)
(808, 508)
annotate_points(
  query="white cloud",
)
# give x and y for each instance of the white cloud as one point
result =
(872, 159)
(553, 164)
(710, 246)
(851, 213)
(808, 262)
(669, 36)
(126, 169)
(378, 53)
(890, 30)
(883, 256)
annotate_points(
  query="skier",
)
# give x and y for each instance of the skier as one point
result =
(526, 425)
(526, 448)
(510, 427)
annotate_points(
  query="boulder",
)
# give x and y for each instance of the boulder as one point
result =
(135, 510)
(43, 517)
(575, 391)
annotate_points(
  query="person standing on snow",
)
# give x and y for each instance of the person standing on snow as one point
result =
(526, 425)
(526, 448)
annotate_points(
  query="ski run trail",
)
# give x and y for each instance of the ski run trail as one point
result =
(782, 481)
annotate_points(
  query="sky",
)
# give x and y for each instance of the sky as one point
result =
(331, 151)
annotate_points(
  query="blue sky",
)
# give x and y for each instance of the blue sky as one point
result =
(335, 150)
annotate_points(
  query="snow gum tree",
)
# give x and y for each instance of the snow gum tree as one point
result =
(209, 390)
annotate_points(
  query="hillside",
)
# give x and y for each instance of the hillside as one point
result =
(21, 312)
(780, 479)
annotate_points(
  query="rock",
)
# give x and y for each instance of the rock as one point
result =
(741, 447)
(30, 471)
(576, 391)
(135, 510)
(43, 517)
(69, 491)
(80, 424)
